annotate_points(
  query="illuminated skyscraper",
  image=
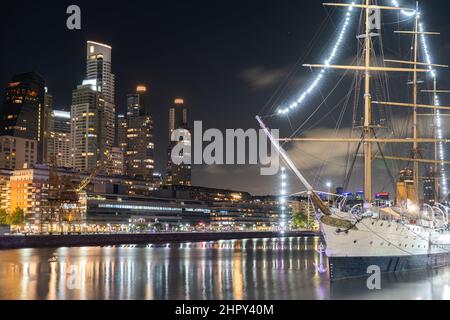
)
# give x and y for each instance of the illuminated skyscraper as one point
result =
(99, 69)
(121, 131)
(86, 103)
(59, 147)
(177, 174)
(23, 111)
(48, 108)
(139, 154)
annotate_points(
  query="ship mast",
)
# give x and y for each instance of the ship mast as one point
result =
(367, 112)
(436, 166)
(437, 162)
(416, 151)
(368, 130)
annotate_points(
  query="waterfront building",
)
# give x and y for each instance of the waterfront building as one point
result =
(28, 189)
(99, 72)
(180, 213)
(202, 194)
(116, 210)
(5, 178)
(17, 153)
(23, 110)
(246, 215)
(231, 209)
(115, 202)
(86, 103)
(178, 174)
(139, 153)
(59, 148)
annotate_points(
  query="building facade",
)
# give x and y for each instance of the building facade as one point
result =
(117, 162)
(29, 191)
(23, 110)
(86, 102)
(121, 132)
(99, 72)
(59, 147)
(48, 109)
(17, 153)
(178, 120)
(139, 153)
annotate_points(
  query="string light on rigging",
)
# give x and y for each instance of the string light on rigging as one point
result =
(328, 61)
(441, 146)
(283, 200)
(406, 13)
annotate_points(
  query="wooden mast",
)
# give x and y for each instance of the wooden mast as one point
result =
(367, 112)
(416, 151)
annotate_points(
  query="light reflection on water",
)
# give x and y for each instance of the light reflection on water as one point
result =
(223, 270)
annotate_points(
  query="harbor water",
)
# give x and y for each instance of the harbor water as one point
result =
(278, 269)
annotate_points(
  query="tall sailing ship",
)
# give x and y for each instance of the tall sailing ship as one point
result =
(411, 234)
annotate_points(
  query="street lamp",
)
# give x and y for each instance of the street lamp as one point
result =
(283, 192)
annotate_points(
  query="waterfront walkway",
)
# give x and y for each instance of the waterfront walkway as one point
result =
(53, 241)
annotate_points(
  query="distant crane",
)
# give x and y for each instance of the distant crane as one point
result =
(64, 195)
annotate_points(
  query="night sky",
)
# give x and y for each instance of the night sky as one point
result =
(225, 58)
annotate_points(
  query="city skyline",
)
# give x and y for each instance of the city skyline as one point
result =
(175, 62)
(228, 155)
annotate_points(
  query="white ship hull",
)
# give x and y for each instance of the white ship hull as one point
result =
(392, 246)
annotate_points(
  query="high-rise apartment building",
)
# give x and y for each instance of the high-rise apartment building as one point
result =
(121, 132)
(86, 103)
(139, 152)
(59, 148)
(48, 108)
(23, 110)
(99, 69)
(17, 153)
(178, 174)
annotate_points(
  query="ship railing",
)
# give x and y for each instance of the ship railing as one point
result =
(339, 202)
(439, 216)
(444, 213)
